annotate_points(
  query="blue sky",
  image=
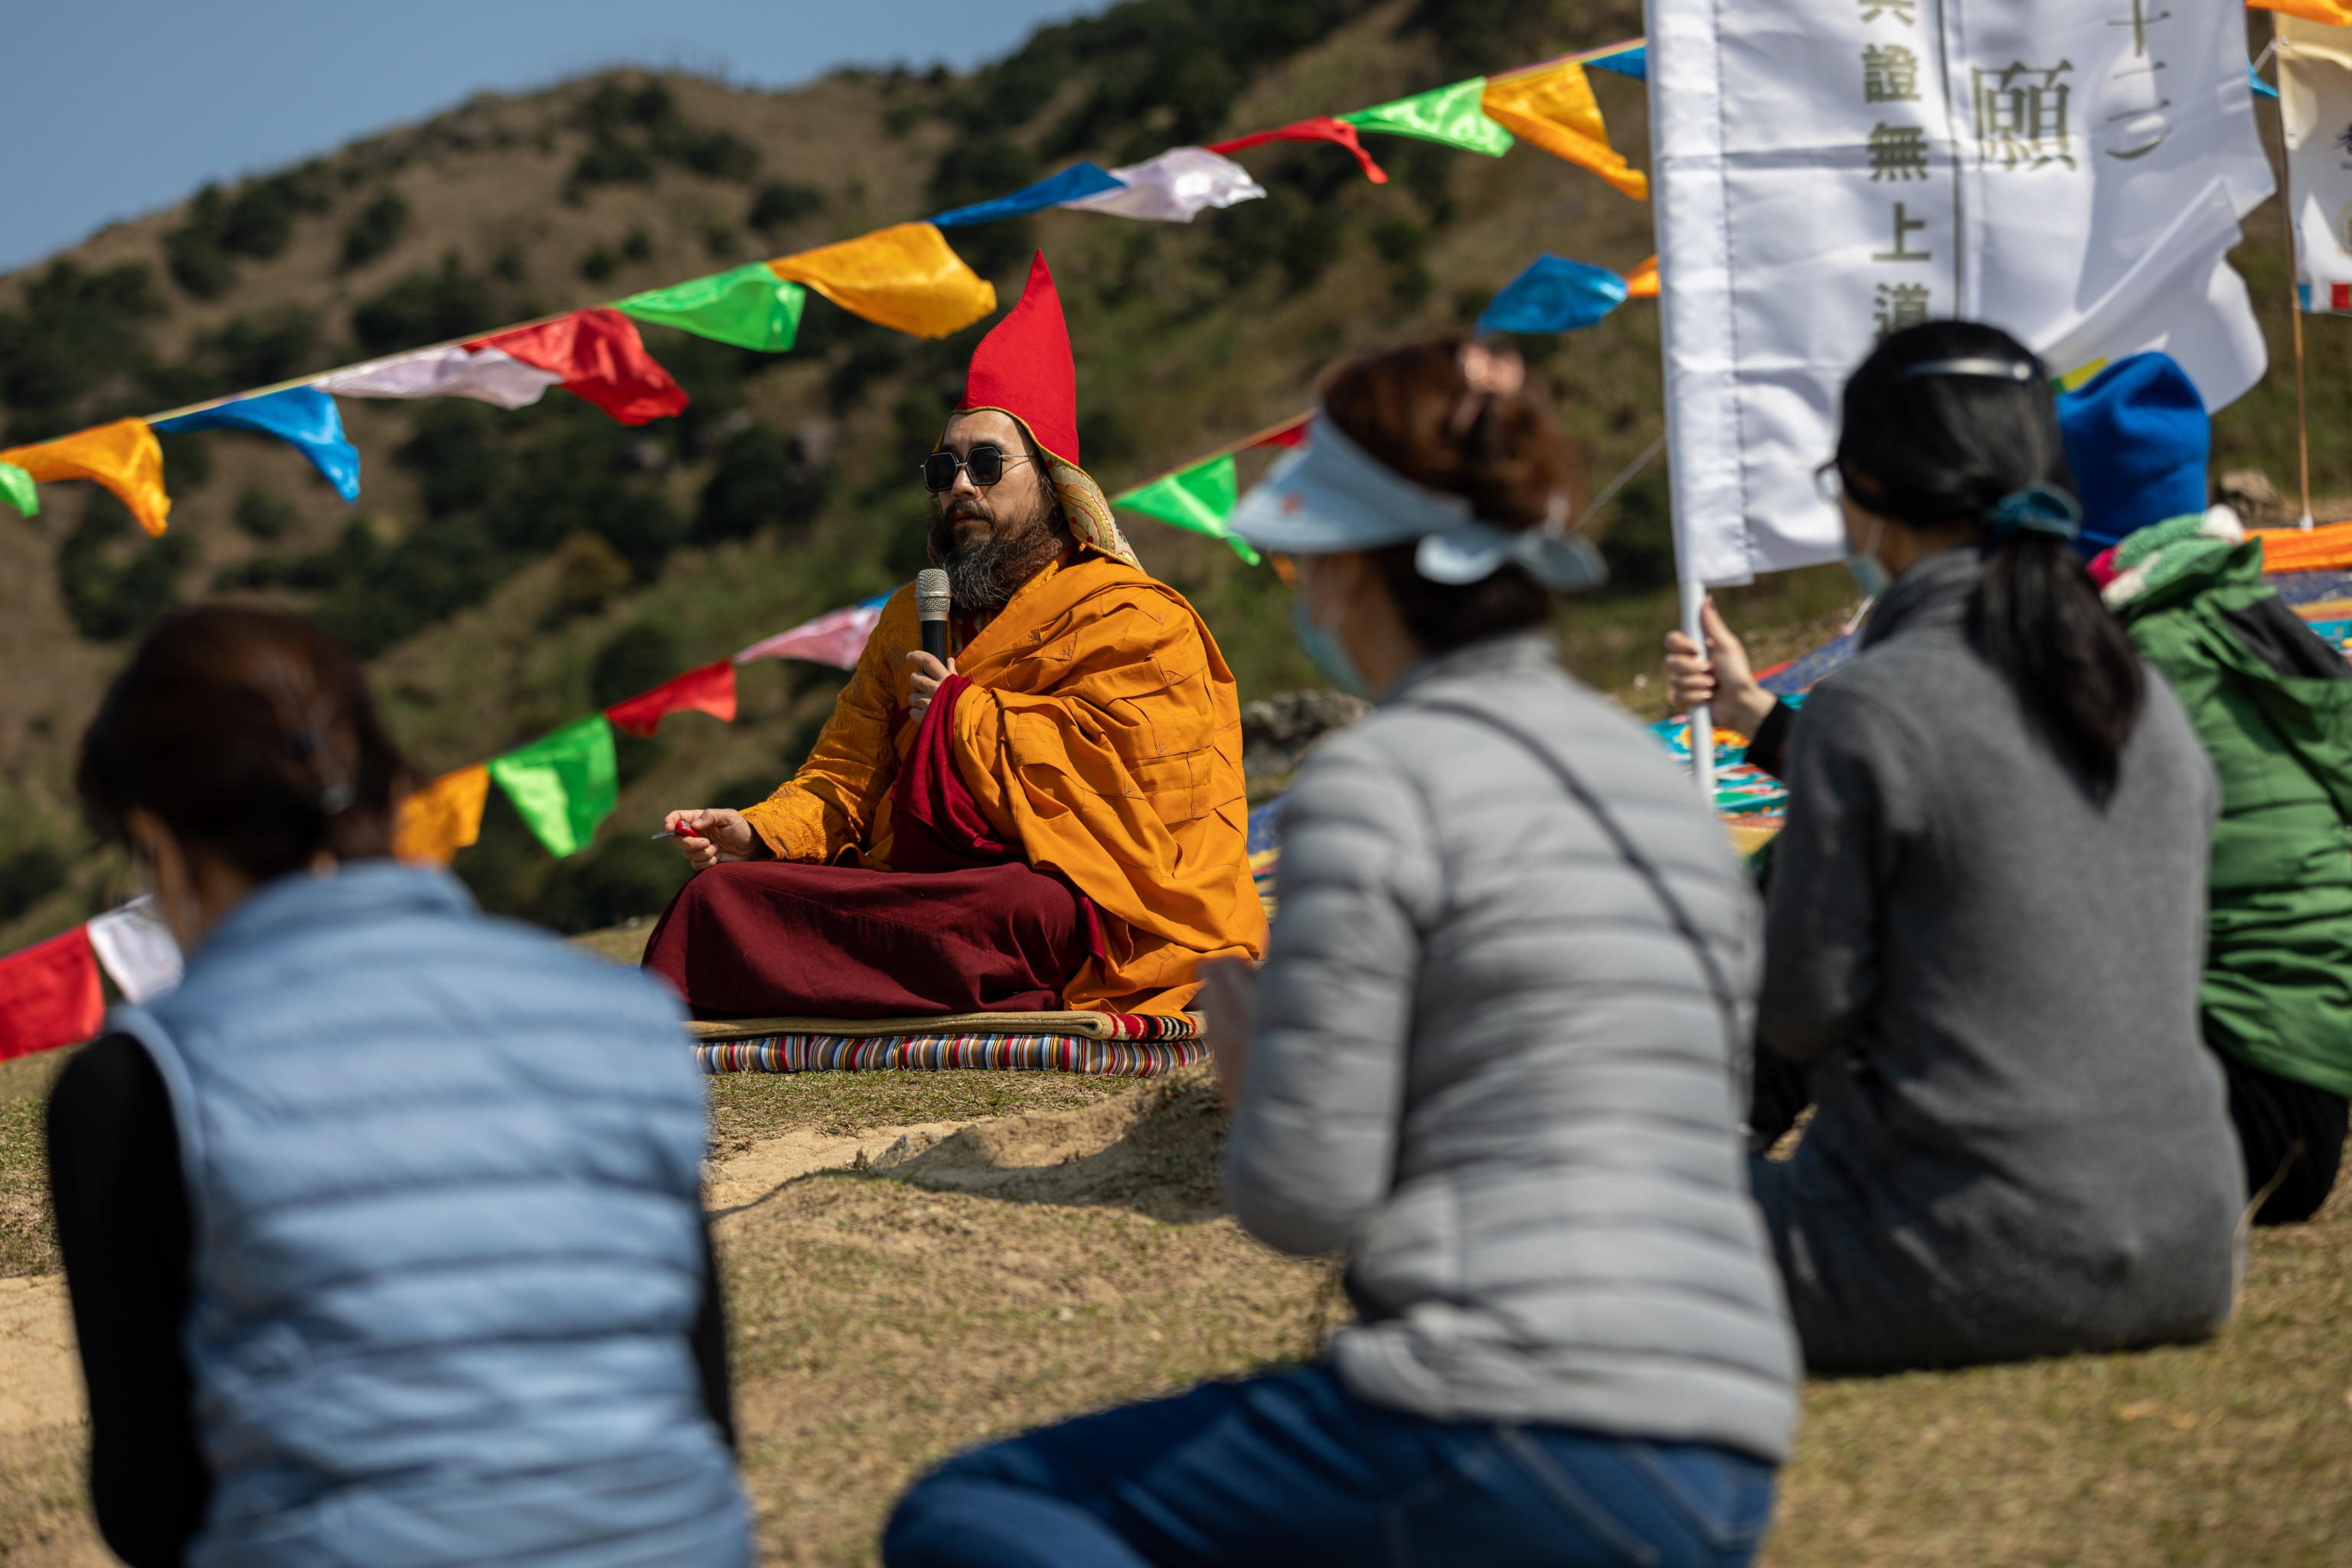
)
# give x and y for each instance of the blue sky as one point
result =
(113, 108)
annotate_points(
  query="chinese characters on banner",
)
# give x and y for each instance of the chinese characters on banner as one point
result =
(2314, 72)
(1832, 171)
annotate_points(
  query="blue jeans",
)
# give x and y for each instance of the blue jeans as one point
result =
(1291, 1469)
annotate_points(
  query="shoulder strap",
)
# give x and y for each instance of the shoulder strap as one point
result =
(1719, 984)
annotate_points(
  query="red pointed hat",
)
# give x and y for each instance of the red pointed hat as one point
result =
(1023, 368)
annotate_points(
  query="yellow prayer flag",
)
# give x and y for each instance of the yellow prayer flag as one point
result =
(904, 276)
(443, 817)
(124, 457)
(1554, 108)
(1642, 283)
(2334, 13)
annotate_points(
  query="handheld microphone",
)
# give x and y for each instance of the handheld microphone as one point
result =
(932, 598)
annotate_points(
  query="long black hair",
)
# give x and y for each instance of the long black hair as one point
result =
(1947, 446)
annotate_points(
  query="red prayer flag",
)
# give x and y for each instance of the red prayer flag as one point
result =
(707, 690)
(601, 358)
(49, 996)
(1288, 435)
(1322, 128)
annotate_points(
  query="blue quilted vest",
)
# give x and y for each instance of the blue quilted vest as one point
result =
(444, 1178)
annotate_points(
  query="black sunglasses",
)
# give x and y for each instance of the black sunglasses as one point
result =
(986, 464)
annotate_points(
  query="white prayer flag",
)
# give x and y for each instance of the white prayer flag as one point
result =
(487, 375)
(1829, 170)
(137, 949)
(2314, 79)
(1174, 186)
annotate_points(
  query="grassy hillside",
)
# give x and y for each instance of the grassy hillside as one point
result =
(506, 571)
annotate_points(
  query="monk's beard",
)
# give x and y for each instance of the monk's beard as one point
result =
(984, 573)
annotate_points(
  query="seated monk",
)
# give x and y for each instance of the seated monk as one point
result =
(1053, 817)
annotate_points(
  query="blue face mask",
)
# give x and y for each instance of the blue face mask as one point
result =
(1869, 572)
(1329, 654)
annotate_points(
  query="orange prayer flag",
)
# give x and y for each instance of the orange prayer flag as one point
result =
(1642, 283)
(1554, 108)
(2331, 12)
(708, 688)
(443, 817)
(904, 276)
(124, 457)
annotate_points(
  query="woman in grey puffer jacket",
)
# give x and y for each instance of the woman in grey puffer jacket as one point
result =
(1494, 1062)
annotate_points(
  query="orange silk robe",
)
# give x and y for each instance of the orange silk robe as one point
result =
(1101, 733)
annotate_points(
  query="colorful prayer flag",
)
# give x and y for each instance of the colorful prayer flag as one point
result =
(1174, 187)
(1642, 283)
(17, 488)
(1554, 294)
(486, 375)
(905, 277)
(1633, 62)
(1321, 128)
(1200, 498)
(443, 817)
(563, 785)
(138, 950)
(303, 416)
(709, 688)
(601, 359)
(1288, 434)
(1448, 114)
(1554, 108)
(49, 996)
(1074, 183)
(2332, 13)
(124, 457)
(837, 637)
(747, 306)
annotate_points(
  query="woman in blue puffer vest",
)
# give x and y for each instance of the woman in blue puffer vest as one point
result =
(384, 1230)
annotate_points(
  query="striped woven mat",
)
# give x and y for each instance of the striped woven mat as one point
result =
(939, 1053)
(1112, 1045)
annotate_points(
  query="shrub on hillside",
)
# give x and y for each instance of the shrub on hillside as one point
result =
(627, 876)
(113, 578)
(74, 331)
(376, 229)
(632, 660)
(763, 479)
(424, 308)
(28, 875)
(261, 515)
(781, 204)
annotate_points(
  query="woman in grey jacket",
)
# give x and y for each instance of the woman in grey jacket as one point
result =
(1493, 1062)
(1987, 916)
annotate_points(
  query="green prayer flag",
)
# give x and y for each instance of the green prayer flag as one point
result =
(16, 489)
(1449, 114)
(563, 785)
(747, 306)
(1198, 498)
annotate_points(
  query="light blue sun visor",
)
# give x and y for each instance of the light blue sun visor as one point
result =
(1332, 495)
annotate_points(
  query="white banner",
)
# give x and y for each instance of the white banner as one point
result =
(1829, 171)
(137, 949)
(2314, 79)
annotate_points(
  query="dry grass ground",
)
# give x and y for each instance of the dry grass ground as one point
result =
(988, 1251)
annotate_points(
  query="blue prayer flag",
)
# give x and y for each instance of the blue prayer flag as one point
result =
(1076, 183)
(1633, 62)
(1554, 295)
(2254, 79)
(303, 416)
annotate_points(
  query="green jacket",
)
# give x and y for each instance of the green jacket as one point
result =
(2278, 964)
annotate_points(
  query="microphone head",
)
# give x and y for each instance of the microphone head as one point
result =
(932, 596)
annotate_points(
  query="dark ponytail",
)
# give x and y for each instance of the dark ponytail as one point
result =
(1949, 446)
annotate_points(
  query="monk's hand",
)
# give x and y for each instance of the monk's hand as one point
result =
(1720, 677)
(708, 835)
(1229, 997)
(924, 684)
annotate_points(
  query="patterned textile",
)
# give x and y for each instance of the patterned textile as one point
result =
(938, 1053)
(1077, 1025)
(1745, 795)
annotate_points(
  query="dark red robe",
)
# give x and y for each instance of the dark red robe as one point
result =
(963, 924)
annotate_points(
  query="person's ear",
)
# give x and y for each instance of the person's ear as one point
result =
(170, 878)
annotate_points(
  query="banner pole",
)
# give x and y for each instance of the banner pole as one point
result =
(1702, 718)
(2293, 289)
